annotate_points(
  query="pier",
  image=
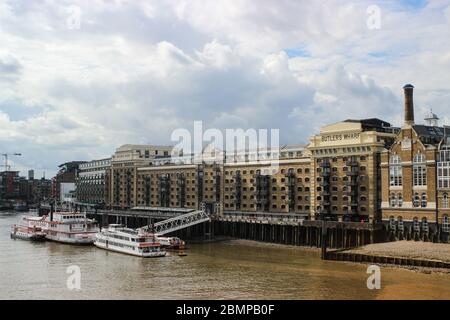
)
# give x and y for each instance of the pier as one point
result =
(290, 230)
(297, 233)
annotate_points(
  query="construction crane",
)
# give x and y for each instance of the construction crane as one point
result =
(5, 155)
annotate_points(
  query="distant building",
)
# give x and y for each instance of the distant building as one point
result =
(66, 175)
(10, 188)
(92, 182)
(67, 192)
(41, 190)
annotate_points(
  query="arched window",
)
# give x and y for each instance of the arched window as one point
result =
(445, 224)
(395, 171)
(419, 158)
(400, 199)
(419, 170)
(392, 223)
(416, 200)
(393, 200)
(445, 200)
(424, 225)
(416, 225)
(400, 223)
(423, 202)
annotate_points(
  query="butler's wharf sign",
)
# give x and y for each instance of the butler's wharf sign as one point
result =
(341, 137)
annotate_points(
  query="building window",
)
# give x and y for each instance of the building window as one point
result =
(443, 168)
(424, 225)
(395, 171)
(423, 202)
(391, 223)
(416, 200)
(445, 200)
(400, 199)
(416, 225)
(420, 170)
(400, 223)
(445, 224)
(393, 200)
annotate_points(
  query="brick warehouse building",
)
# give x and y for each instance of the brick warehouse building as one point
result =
(415, 178)
(360, 171)
(336, 177)
(123, 172)
(228, 187)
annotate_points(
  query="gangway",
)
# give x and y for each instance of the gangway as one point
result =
(180, 222)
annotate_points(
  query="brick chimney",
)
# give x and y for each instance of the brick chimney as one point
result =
(409, 104)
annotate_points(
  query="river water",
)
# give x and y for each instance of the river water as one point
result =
(221, 270)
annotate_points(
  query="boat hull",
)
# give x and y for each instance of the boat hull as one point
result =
(119, 250)
(29, 237)
(81, 242)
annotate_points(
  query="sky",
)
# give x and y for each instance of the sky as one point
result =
(80, 78)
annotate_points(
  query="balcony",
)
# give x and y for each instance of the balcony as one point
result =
(352, 173)
(324, 164)
(324, 183)
(352, 163)
(351, 184)
(325, 174)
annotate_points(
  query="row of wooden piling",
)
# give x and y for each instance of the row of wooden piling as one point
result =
(366, 258)
(297, 235)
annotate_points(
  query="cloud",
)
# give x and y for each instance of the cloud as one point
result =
(135, 71)
(9, 65)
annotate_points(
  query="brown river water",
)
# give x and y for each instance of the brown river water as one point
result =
(221, 270)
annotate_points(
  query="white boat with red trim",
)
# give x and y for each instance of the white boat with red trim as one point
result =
(171, 243)
(71, 228)
(129, 241)
(30, 228)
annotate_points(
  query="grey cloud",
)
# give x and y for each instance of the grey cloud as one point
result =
(133, 74)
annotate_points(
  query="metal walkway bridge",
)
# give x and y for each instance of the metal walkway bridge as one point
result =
(180, 222)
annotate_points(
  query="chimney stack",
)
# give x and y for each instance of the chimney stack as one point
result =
(409, 104)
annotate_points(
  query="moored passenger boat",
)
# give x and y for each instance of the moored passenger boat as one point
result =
(71, 228)
(171, 243)
(30, 228)
(129, 241)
